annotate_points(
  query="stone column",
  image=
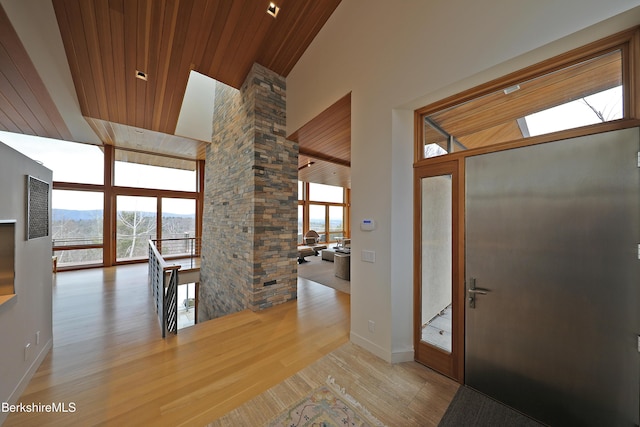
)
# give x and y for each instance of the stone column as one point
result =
(250, 215)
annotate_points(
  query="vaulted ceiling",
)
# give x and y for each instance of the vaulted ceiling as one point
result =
(109, 42)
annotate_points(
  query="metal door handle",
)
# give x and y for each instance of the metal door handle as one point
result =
(473, 291)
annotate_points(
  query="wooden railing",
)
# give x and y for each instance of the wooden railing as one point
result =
(163, 280)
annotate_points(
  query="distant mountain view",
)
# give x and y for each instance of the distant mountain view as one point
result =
(73, 215)
(70, 227)
(79, 215)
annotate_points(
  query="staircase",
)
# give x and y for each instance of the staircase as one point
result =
(172, 262)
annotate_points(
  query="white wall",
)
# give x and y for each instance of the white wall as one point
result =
(395, 57)
(30, 311)
(198, 105)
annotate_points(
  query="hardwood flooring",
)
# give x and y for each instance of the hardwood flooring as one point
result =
(403, 395)
(109, 360)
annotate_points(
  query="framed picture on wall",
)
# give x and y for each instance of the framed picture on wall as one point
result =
(37, 208)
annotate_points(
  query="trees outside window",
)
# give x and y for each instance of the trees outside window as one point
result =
(136, 225)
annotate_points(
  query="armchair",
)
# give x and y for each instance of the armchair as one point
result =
(311, 245)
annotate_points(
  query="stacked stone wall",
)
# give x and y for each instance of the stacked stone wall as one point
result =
(250, 214)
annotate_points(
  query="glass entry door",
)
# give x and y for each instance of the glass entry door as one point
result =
(438, 336)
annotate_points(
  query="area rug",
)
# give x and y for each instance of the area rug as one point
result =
(326, 406)
(320, 271)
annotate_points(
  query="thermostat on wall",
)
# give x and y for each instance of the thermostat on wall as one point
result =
(367, 224)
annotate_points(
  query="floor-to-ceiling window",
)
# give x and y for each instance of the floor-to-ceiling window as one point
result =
(76, 227)
(155, 199)
(178, 218)
(107, 203)
(136, 220)
(324, 209)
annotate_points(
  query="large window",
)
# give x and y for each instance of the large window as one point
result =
(300, 222)
(143, 185)
(324, 209)
(69, 161)
(325, 193)
(317, 220)
(178, 218)
(139, 170)
(135, 224)
(336, 222)
(76, 227)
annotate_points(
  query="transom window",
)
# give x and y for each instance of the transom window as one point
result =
(550, 97)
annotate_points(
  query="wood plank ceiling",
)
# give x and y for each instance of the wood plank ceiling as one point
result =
(108, 41)
(325, 146)
(25, 104)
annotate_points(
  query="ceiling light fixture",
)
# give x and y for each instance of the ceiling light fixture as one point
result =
(511, 89)
(141, 75)
(273, 9)
(308, 165)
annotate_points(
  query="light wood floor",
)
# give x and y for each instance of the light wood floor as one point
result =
(108, 357)
(404, 394)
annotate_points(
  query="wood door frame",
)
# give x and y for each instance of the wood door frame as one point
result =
(436, 166)
(449, 364)
(628, 42)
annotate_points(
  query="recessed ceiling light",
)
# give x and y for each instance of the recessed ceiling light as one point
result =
(141, 75)
(308, 165)
(273, 9)
(511, 89)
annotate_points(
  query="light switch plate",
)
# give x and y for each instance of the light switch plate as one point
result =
(368, 256)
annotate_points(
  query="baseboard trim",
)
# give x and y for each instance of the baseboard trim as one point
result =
(370, 347)
(407, 355)
(22, 385)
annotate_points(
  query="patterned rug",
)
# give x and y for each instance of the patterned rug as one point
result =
(326, 406)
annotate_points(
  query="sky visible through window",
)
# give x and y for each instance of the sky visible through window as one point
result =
(73, 162)
(578, 113)
(70, 162)
(83, 163)
(600, 107)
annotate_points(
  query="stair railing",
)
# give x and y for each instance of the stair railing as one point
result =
(163, 280)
